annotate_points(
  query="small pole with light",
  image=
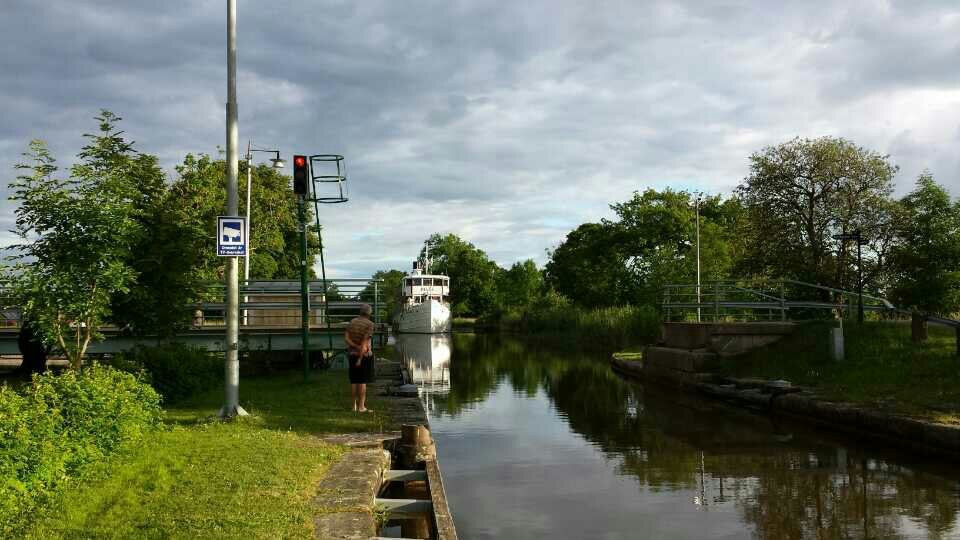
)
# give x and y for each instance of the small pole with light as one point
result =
(697, 206)
(277, 164)
(856, 235)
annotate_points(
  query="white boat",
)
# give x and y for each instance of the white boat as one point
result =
(425, 308)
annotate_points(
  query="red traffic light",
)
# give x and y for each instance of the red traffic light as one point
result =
(300, 176)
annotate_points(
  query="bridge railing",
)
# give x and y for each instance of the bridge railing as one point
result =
(771, 300)
(277, 303)
(267, 304)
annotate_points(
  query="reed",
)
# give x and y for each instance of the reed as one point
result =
(610, 328)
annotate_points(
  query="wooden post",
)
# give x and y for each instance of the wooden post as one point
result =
(716, 301)
(416, 445)
(783, 299)
(957, 330)
(666, 300)
(918, 327)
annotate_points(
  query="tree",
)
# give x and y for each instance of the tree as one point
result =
(77, 236)
(472, 274)
(652, 243)
(589, 267)
(390, 291)
(520, 284)
(799, 194)
(275, 243)
(164, 254)
(925, 258)
(657, 232)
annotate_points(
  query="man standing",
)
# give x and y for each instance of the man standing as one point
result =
(359, 338)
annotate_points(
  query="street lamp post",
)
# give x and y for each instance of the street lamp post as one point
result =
(277, 164)
(231, 406)
(698, 256)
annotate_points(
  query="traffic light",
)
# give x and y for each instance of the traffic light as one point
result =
(301, 175)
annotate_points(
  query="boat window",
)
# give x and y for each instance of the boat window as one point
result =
(409, 282)
(427, 282)
(418, 281)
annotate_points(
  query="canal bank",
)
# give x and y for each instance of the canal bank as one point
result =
(387, 483)
(698, 358)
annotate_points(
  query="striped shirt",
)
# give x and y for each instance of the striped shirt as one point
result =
(360, 329)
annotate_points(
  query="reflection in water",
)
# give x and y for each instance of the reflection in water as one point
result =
(427, 359)
(539, 441)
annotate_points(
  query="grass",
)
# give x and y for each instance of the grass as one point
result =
(464, 323)
(251, 478)
(882, 367)
(629, 355)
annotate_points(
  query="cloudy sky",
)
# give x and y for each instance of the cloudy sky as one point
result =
(507, 123)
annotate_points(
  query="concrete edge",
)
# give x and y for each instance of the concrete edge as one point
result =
(897, 430)
(443, 520)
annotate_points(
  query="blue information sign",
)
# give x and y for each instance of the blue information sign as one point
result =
(231, 236)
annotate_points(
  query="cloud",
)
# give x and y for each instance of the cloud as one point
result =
(508, 124)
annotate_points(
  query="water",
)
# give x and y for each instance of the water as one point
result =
(541, 441)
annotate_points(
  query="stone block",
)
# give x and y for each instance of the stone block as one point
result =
(942, 436)
(686, 335)
(679, 359)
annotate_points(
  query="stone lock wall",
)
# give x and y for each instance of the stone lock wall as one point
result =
(686, 350)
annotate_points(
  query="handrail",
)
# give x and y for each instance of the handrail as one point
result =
(714, 290)
(744, 299)
(886, 302)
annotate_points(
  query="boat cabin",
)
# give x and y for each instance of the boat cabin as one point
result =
(419, 289)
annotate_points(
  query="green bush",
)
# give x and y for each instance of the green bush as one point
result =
(175, 370)
(60, 423)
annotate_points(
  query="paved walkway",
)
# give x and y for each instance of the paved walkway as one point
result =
(345, 497)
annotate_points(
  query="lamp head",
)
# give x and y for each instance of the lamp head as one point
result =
(278, 163)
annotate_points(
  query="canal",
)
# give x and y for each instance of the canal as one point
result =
(540, 440)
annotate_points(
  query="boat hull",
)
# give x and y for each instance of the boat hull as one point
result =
(427, 318)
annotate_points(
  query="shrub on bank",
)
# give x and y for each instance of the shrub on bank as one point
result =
(175, 370)
(59, 423)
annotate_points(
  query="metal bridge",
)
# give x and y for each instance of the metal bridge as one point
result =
(768, 300)
(270, 318)
(738, 300)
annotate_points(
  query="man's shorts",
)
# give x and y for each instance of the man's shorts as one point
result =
(362, 374)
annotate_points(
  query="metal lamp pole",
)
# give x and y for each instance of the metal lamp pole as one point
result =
(277, 164)
(231, 405)
(698, 255)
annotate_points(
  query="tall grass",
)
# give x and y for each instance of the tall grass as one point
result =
(610, 328)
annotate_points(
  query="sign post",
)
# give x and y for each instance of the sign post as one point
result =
(232, 242)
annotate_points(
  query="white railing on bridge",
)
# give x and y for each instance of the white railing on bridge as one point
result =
(771, 300)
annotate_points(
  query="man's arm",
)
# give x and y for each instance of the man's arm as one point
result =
(354, 346)
(350, 343)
